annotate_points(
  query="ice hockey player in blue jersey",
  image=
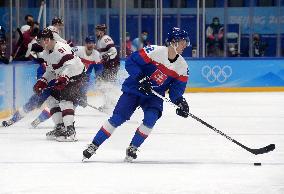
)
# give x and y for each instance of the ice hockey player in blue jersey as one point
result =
(158, 68)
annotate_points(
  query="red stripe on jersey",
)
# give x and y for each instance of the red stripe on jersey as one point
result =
(106, 48)
(142, 134)
(67, 112)
(162, 67)
(105, 131)
(170, 72)
(87, 62)
(62, 61)
(145, 56)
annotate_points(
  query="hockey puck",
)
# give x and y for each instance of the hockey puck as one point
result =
(257, 164)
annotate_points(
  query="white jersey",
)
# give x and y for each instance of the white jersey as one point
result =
(29, 52)
(158, 55)
(61, 62)
(55, 33)
(106, 45)
(25, 28)
(93, 58)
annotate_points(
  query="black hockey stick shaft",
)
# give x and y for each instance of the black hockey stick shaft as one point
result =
(89, 105)
(262, 150)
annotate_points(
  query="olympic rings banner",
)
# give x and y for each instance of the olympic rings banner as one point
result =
(236, 73)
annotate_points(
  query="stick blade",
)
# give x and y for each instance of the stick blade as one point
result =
(264, 150)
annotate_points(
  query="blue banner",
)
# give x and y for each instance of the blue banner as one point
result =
(6, 87)
(25, 78)
(16, 84)
(236, 73)
(17, 80)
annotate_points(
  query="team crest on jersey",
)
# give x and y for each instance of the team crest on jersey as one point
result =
(159, 77)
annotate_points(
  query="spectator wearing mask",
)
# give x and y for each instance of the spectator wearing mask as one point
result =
(215, 38)
(29, 22)
(141, 42)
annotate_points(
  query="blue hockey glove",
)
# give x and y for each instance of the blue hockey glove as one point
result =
(145, 86)
(183, 109)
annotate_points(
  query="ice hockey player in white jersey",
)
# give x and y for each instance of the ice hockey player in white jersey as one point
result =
(89, 56)
(69, 72)
(91, 59)
(110, 60)
(108, 52)
(56, 28)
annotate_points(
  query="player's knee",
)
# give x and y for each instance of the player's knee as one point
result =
(52, 102)
(150, 117)
(117, 120)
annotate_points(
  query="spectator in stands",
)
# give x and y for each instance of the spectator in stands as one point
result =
(259, 46)
(140, 42)
(215, 38)
(29, 21)
(128, 45)
(232, 50)
(3, 46)
(23, 42)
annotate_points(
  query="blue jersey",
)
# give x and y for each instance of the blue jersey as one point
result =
(152, 61)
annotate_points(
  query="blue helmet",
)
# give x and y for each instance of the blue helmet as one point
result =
(90, 39)
(176, 34)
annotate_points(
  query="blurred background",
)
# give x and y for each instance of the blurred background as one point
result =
(236, 45)
(241, 22)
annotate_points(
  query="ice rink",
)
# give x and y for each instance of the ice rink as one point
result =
(181, 156)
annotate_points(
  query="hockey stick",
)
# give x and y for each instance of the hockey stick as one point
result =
(20, 42)
(262, 150)
(40, 11)
(89, 105)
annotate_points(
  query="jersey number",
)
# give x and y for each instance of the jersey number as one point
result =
(107, 40)
(61, 50)
(148, 49)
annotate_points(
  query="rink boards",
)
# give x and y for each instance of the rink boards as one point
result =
(205, 75)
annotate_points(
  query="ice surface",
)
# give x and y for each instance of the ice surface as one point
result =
(181, 156)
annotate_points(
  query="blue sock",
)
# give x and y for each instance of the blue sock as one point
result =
(44, 115)
(17, 116)
(101, 136)
(138, 138)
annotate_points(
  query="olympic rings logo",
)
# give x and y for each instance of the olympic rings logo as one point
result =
(216, 73)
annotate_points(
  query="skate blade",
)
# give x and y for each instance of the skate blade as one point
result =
(34, 124)
(50, 138)
(66, 139)
(128, 159)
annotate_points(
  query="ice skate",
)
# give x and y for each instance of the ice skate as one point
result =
(51, 135)
(68, 135)
(8, 123)
(87, 153)
(35, 123)
(131, 153)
